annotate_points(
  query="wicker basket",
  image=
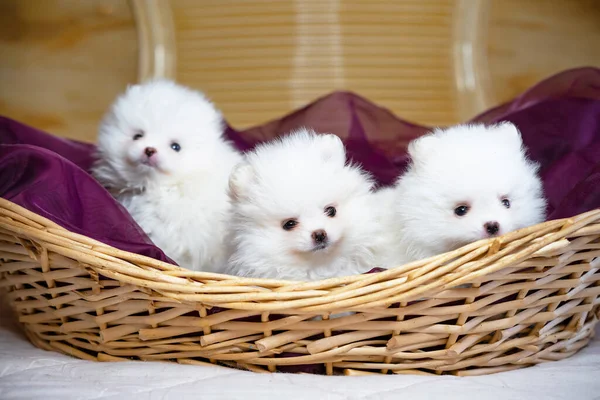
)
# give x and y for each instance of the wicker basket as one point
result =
(527, 297)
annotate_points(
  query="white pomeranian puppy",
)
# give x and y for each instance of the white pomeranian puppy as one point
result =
(465, 183)
(162, 154)
(300, 212)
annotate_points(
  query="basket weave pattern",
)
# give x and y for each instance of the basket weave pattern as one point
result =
(527, 297)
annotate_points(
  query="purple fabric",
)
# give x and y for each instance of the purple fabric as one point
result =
(13, 132)
(48, 184)
(559, 119)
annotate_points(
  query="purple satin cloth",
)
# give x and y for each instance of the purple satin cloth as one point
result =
(559, 119)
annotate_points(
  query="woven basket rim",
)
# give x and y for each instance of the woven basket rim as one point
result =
(275, 295)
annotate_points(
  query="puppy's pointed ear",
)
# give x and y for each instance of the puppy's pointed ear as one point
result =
(239, 179)
(419, 148)
(332, 149)
(510, 134)
(132, 87)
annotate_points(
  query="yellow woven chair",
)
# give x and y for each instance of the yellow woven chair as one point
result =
(423, 59)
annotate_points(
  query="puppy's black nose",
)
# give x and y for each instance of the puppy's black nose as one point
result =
(492, 227)
(150, 151)
(319, 236)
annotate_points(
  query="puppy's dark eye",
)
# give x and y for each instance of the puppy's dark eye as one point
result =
(461, 210)
(175, 146)
(506, 203)
(138, 135)
(330, 211)
(289, 224)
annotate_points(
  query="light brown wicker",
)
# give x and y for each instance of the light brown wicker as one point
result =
(532, 297)
(258, 60)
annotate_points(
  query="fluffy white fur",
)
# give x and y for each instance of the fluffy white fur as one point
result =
(467, 165)
(179, 198)
(298, 177)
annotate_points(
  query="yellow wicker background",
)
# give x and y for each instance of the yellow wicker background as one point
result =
(64, 61)
(269, 57)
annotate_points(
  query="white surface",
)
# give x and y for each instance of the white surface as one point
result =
(29, 373)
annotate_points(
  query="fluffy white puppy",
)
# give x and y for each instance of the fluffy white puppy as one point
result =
(300, 212)
(162, 154)
(465, 183)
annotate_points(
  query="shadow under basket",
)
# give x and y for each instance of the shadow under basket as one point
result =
(524, 298)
